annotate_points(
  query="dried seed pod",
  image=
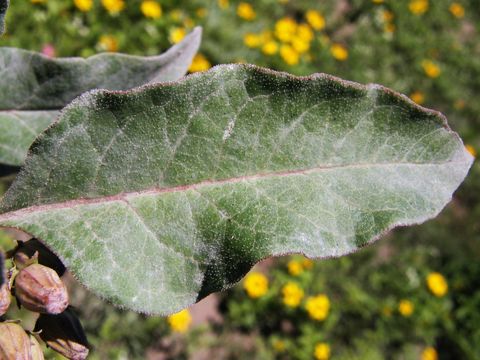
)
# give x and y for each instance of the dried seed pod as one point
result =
(64, 334)
(5, 298)
(39, 288)
(35, 349)
(14, 342)
(25, 252)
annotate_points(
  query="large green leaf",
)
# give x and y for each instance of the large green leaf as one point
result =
(156, 197)
(3, 11)
(33, 87)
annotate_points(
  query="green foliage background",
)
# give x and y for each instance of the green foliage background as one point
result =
(364, 288)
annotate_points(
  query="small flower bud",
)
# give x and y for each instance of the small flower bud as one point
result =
(26, 252)
(14, 342)
(39, 289)
(64, 334)
(5, 298)
(35, 349)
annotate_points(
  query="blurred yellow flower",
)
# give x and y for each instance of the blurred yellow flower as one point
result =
(418, 97)
(278, 345)
(294, 267)
(113, 6)
(318, 307)
(322, 351)
(180, 321)
(223, 4)
(270, 48)
(430, 68)
(38, 1)
(246, 11)
(437, 284)
(188, 23)
(457, 10)
(315, 19)
(177, 34)
(378, 1)
(429, 353)
(418, 7)
(305, 33)
(83, 5)
(108, 43)
(339, 52)
(471, 150)
(201, 12)
(387, 15)
(252, 40)
(255, 284)
(307, 264)
(405, 308)
(389, 28)
(301, 46)
(285, 29)
(292, 294)
(151, 9)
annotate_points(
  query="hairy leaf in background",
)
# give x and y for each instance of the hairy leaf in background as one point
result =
(157, 197)
(33, 87)
(3, 11)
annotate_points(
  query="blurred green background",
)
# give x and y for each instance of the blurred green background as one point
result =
(413, 295)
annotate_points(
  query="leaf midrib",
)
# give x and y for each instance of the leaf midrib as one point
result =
(124, 196)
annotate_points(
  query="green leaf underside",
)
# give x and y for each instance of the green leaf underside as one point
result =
(157, 197)
(33, 87)
(3, 12)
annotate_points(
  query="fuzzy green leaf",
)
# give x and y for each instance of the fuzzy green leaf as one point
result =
(157, 197)
(3, 12)
(33, 87)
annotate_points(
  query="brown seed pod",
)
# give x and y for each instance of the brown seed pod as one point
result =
(25, 252)
(64, 334)
(39, 288)
(5, 298)
(14, 342)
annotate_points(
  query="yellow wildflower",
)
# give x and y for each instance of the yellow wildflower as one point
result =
(294, 267)
(270, 48)
(418, 97)
(151, 9)
(418, 7)
(305, 33)
(457, 10)
(437, 284)
(83, 5)
(429, 353)
(339, 52)
(388, 15)
(108, 43)
(201, 12)
(431, 69)
(318, 307)
(289, 55)
(405, 308)
(252, 40)
(199, 63)
(389, 28)
(315, 19)
(285, 29)
(177, 34)
(38, 1)
(307, 263)
(113, 6)
(223, 4)
(300, 45)
(471, 150)
(292, 294)
(180, 321)
(279, 345)
(378, 1)
(322, 351)
(246, 11)
(255, 284)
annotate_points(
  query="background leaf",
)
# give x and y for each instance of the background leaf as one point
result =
(3, 11)
(37, 87)
(188, 184)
